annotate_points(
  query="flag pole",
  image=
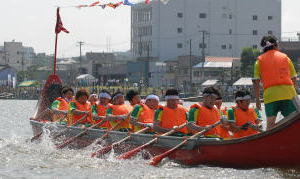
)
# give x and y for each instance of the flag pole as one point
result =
(55, 52)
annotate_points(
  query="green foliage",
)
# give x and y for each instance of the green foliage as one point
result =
(248, 58)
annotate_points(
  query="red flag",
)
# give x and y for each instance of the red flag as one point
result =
(59, 25)
(147, 1)
(94, 4)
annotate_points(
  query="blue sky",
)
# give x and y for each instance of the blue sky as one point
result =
(32, 22)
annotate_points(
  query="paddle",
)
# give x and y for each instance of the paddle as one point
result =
(64, 130)
(64, 144)
(108, 148)
(155, 160)
(131, 153)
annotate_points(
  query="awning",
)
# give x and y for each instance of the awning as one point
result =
(243, 82)
(85, 77)
(209, 83)
(28, 83)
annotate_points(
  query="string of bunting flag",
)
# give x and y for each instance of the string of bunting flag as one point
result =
(112, 5)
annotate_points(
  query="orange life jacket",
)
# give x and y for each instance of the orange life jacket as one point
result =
(241, 117)
(209, 117)
(146, 116)
(101, 111)
(174, 117)
(73, 118)
(274, 69)
(63, 106)
(123, 109)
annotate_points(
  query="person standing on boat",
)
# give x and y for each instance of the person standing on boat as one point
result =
(143, 114)
(119, 111)
(99, 110)
(278, 76)
(133, 97)
(60, 105)
(244, 121)
(171, 116)
(80, 108)
(202, 116)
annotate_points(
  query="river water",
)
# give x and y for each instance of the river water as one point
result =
(20, 158)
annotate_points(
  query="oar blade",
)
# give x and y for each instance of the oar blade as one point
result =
(130, 154)
(102, 151)
(156, 160)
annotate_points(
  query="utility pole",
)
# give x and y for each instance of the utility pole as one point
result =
(191, 83)
(147, 66)
(203, 52)
(80, 43)
(140, 46)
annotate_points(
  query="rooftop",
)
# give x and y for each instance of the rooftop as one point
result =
(214, 65)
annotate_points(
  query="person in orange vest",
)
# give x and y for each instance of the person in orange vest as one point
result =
(143, 114)
(80, 108)
(221, 108)
(278, 76)
(93, 99)
(202, 116)
(244, 121)
(119, 111)
(133, 97)
(169, 117)
(60, 105)
(99, 110)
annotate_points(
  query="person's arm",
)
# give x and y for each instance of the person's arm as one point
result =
(232, 121)
(192, 118)
(55, 108)
(256, 81)
(134, 118)
(75, 111)
(293, 73)
(157, 122)
(111, 117)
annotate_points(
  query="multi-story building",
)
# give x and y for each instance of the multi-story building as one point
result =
(215, 27)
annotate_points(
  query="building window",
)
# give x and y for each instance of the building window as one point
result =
(270, 32)
(224, 47)
(254, 46)
(196, 73)
(230, 31)
(254, 17)
(179, 30)
(201, 45)
(179, 45)
(254, 32)
(179, 14)
(202, 15)
(230, 46)
(230, 16)
(270, 18)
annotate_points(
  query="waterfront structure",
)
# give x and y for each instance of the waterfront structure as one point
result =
(202, 27)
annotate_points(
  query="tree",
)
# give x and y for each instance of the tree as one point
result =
(248, 58)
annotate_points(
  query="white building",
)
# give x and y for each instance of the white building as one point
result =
(225, 27)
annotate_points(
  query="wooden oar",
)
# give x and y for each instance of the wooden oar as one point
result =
(155, 160)
(131, 153)
(64, 144)
(108, 148)
(41, 132)
(64, 130)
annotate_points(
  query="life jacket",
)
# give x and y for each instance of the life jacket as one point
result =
(241, 117)
(101, 111)
(123, 109)
(63, 106)
(146, 116)
(209, 117)
(73, 118)
(174, 117)
(274, 69)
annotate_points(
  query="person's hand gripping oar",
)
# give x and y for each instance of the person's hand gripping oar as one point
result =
(155, 160)
(77, 122)
(108, 148)
(131, 153)
(67, 142)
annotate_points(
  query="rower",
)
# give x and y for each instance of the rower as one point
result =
(244, 121)
(78, 108)
(133, 97)
(99, 110)
(203, 115)
(60, 105)
(93, 99)
(171, 116)
(278, 76)
(119, 111)
(218, 103)
(143, 114)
